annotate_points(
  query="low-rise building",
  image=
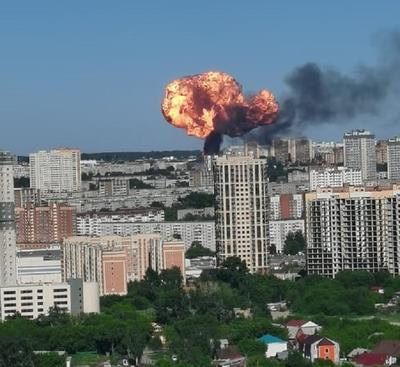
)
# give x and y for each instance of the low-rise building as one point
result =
(33, 300)
(274, 345)
(315, 347)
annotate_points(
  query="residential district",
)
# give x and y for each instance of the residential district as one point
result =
(278, 255)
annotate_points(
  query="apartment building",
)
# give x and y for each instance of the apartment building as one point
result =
(89, 224)
(241, 209)
(393, 158)
(334, 177)
(279, 230)
(8, 270)
(56, 171)
(26, 195)
(112, 261)
(45, 224)
(188, 232)
(33, 300)
(286, 206)
(353, 228)
(359, 153)
(113, 186)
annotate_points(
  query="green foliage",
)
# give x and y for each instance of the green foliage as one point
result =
(135, 183)
(196, 200)
(294, 243)
(48, 360)
(197, 250)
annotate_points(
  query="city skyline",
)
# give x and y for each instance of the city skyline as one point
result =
(114, 83)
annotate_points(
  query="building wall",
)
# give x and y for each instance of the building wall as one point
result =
(359, 153)
(174, 256)
(115, 273)
(242, 209)
(279, 229)
(8, 269)
(56, 171)
(393, 158)
(47, 224)
(353, 229)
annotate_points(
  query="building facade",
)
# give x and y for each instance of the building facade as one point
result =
(33, 300)
(45, 224)
(279, 230)
(112, 261)
(26, 195)
(334, 177)
(241, 209)
(359, 153)
(286, 206)
(8, 269)
(353, 228)
(56, 171)
(393, 158)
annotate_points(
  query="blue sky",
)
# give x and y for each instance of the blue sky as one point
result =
(90, 74)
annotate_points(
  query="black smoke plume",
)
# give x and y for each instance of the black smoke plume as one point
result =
(317, 95)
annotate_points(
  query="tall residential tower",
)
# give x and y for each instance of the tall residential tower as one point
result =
(7, 222)
(359, 153)
(242, 209)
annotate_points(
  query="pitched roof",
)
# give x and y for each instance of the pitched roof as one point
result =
(311, 339)
(371, 359)
(270, 339)
(297, 323)
(230, 352)
(389, 347)
(325, 341)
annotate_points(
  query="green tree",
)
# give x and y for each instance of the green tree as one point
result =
(198, 250)
(234, 263)
(48, 360)
(294, 243)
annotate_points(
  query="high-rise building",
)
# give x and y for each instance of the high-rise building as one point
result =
(56, 171)
(8, 269)
(353, 228)
(359, 153)
(45, 224)
(393, 158)
(241, 209)
(381, 150)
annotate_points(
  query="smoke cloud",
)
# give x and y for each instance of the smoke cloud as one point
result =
(317, 95)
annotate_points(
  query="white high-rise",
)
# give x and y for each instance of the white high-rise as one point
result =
(393, 158)
(359, 153)
(353, 228)
(242, 209)
(56, 171)
(8, 271)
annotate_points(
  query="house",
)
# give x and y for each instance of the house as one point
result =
(377, 289)
(318, 347)
(389, 347)
(244, 313)
(273, 345)
(356, 352)
(229, 356)
(306, 327)
(373, 359)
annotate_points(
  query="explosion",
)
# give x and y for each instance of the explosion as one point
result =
(212, 104)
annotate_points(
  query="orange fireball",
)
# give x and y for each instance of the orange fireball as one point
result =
(213, 103)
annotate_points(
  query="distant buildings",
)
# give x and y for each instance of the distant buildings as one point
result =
(279, 230)
(242, 209)
(113, 186)
(56, 171)
(381, 149)
(286, 206)
(189, 232)
(334, 177)
(292, 150)
(353, 228)
(359, 153)
(26, 195)
(8, 274)
(393, 158)
(45, 224)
